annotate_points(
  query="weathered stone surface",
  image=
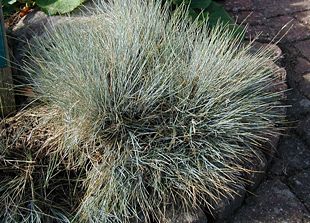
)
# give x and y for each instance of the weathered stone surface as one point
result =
(291, 28)
(296, 82)
(273, 49)
(34, 23)
(300, 185)
(273, 141)
(250, 17)
(226, 207)
(301, 82)
(283, 7)
(305, 85)
(260, 32)
(304, 48)
(284, 28)
(197, 217)
(302, 65)
(274, 202)
(304, 129)
(305, 104)
(303, 17)
(280, 73)
(299, 77)
(257, 173)
(293, 155)
(238, 5)
(299, 104)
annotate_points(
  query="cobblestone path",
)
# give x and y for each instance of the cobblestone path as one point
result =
(284, 195)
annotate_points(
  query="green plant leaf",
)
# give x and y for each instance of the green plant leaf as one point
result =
(53, 7)
(192, 13)
(7, 2)
(216, 13)
(201, 4)
(8, 10)
(178, 2)
(11, 2)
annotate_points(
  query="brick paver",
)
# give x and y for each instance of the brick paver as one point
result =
(284, 197)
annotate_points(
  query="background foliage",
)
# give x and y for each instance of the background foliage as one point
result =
(206, 9)
(198, 8)
(210, 10)
(51, 7)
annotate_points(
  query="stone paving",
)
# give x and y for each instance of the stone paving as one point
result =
(284, 195)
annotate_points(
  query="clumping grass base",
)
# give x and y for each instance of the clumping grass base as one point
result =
(144, 112)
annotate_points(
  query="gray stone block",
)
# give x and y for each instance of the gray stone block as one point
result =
(273, 202)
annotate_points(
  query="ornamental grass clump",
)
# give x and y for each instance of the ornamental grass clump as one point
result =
(156, 112)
